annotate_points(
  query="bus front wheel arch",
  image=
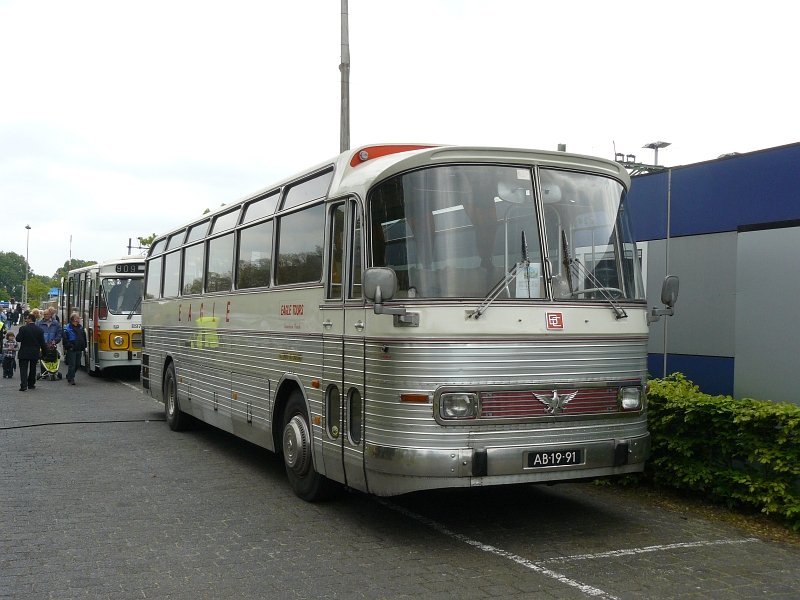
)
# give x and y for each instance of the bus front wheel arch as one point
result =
(296, 447)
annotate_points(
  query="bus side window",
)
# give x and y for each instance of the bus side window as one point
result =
(356, 243)
(299, 246)
(336, 253)
(153, 289)
(171, 275)
(219, 266)
(193, 261)
(254, 257)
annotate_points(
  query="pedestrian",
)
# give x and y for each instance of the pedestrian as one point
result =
(31, 347)
(18, 314)
(9, 355)
(12, 312)
(74, 341)
(51, 329)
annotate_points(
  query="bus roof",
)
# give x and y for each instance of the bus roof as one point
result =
(109, 266)
(357, 169)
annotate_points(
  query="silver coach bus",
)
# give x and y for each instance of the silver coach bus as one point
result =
(412, 317)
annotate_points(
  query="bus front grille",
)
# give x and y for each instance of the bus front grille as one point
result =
(538, 403)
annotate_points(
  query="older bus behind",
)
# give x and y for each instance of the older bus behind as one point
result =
(108, 298)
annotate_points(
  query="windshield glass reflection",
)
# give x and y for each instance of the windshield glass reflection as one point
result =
(456, 231)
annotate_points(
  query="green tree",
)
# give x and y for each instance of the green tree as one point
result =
(12, 275)
(146, 242)
(74, 263)
(38, 288)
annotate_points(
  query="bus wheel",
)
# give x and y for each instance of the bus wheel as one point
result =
(176, 419)
(305, 481)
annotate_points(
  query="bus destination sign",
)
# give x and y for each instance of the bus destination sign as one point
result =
(129, 268)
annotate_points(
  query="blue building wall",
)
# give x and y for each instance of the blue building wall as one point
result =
(742, 193)
(713, 374)
(722, 195)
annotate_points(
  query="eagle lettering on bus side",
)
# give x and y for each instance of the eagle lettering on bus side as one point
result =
(292, 310)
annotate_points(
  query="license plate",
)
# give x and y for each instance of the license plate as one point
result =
(555, 458)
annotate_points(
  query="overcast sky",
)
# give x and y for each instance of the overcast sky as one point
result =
(123, 119)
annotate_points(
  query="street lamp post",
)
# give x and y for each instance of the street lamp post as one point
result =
(655, 146)
(27, 265)
(344, 67)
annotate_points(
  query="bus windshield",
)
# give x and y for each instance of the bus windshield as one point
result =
(456, 231)
(122, 294)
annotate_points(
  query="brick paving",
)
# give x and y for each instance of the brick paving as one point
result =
(98, 499)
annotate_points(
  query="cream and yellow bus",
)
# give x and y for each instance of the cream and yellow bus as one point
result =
(108, 297)
(403, 318)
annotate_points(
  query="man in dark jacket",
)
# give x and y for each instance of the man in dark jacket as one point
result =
(74, 345)
(31, 346)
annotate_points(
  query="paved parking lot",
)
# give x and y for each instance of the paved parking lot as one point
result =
(98, 499)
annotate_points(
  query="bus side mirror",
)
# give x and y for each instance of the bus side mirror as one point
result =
(669, 291)
(380, 285)
(669, 296)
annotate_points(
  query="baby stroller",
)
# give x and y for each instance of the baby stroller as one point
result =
(51, 361)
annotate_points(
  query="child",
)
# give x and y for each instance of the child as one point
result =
(9, 355)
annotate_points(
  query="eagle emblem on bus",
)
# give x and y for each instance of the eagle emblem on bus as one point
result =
(555, 403)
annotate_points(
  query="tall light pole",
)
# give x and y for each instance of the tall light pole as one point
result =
(27, 264)
(344, 67)
(655, 146)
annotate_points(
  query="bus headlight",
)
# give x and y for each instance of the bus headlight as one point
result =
(630, 398)
(458, 406)
(118, 340)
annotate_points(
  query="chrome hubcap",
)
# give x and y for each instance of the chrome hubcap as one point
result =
(296, 450)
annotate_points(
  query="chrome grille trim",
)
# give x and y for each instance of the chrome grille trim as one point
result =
(521, 404)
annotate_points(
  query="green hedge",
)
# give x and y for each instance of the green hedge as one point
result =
(744, 453)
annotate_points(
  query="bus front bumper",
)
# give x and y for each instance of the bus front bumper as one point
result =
(533, 463)
(121, 357)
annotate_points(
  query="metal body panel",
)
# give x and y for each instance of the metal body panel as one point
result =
(767, 335)
(708, 285)
(230, 381)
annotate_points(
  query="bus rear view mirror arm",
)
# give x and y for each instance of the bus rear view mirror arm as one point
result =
(380, 285)
(669, 296)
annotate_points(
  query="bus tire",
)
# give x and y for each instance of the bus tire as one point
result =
(296, 448)
(176, 419)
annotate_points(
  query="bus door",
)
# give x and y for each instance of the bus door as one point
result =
(92, 317)
(343, 334)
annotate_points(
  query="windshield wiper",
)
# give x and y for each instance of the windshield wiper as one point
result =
(565, 260)
(604, 290)
(135, 306)
(503, 283)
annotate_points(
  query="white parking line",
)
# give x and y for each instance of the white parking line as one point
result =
(135, 388)
(586, 589)
(646, 549)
